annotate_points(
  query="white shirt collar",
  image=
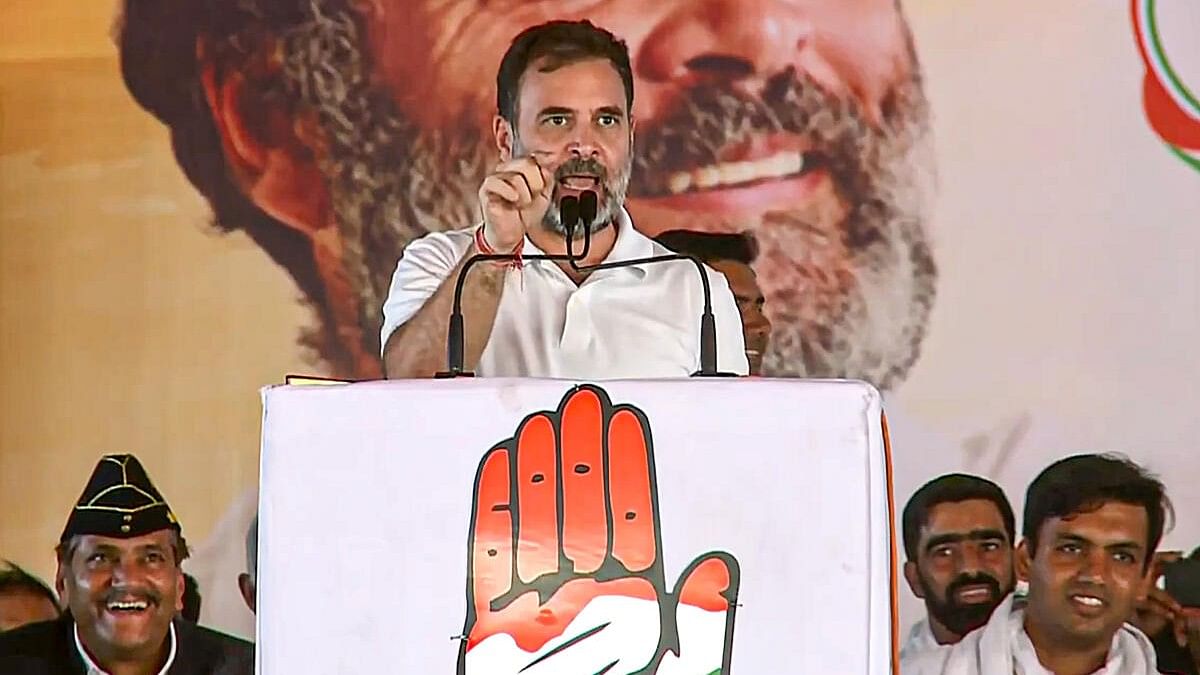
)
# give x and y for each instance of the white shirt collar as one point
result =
(630, 244)
(93, 669)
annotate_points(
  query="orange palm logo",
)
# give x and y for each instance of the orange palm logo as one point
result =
(565, 568)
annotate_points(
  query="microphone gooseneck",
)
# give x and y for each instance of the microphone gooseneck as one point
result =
(575, 211)
(569, 209)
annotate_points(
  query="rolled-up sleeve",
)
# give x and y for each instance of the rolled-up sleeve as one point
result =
(421, 270)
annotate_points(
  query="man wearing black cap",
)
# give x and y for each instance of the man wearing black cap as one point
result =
(119, 575)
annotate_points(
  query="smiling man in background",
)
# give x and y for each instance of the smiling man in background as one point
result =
(119, 575)
(1092, 524)
(335, 132)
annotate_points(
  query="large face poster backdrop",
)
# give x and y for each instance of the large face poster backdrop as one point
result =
(987, 210)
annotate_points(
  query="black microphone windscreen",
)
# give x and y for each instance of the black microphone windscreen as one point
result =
(587, 207)
(568, 210)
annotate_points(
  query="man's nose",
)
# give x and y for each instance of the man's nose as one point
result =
(743, 41)
(1094, 567)
(128, 571)
(584, 145)
(123, 571)
(969, 560)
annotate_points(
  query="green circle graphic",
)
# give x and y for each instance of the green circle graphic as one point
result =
(1156, 45)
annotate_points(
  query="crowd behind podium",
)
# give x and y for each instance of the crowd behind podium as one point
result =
(1077, 592)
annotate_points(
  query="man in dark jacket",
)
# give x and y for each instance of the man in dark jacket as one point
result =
(119, 575)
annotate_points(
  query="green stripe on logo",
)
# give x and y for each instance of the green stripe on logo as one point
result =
(1156, 46)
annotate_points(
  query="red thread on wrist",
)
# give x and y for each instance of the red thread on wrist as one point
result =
(485, 248)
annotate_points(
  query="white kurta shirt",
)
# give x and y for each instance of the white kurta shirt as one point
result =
(634, 322)
(1002, 647)
(93, 669)
(920, 640)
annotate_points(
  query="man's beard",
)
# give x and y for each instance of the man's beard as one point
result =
(961, 619)
(615, 187)
(846, 300)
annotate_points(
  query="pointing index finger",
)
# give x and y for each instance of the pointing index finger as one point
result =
(528, 171)
(541, 159)
(547, 181)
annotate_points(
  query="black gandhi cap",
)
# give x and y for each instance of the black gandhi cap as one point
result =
(119, 501)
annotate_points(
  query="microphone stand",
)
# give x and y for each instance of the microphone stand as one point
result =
(708, 323)
(573, 210)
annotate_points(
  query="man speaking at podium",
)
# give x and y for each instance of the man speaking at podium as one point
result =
(563, 127)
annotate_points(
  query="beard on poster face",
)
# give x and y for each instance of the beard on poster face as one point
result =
(849, 277)
(968, 602)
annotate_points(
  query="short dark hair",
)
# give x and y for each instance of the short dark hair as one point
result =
(711, 246)
(15, 579)
(947, 489)
(558, 44)
(191, 599)
(1084, 483)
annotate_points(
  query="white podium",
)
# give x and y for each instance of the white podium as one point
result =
(548, 526)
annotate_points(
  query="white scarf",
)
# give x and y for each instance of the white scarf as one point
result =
(1002, 648)
(920, 640)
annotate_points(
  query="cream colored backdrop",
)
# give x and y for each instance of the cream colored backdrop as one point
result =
(126, 324)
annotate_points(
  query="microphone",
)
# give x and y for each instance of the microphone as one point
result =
(575, 211)
(569, 209)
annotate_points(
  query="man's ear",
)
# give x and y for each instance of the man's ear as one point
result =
(271, 151)
(1150, 578)
(60, 584)
(912, 576)
(180, 584)
(1023, 560)
(249, 592)
(505, 137)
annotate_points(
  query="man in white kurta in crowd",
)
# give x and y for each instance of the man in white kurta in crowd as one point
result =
(563, 126)
(959, 533)
(1091, 526)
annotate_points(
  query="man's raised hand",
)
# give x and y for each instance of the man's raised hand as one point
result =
(514, 197)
